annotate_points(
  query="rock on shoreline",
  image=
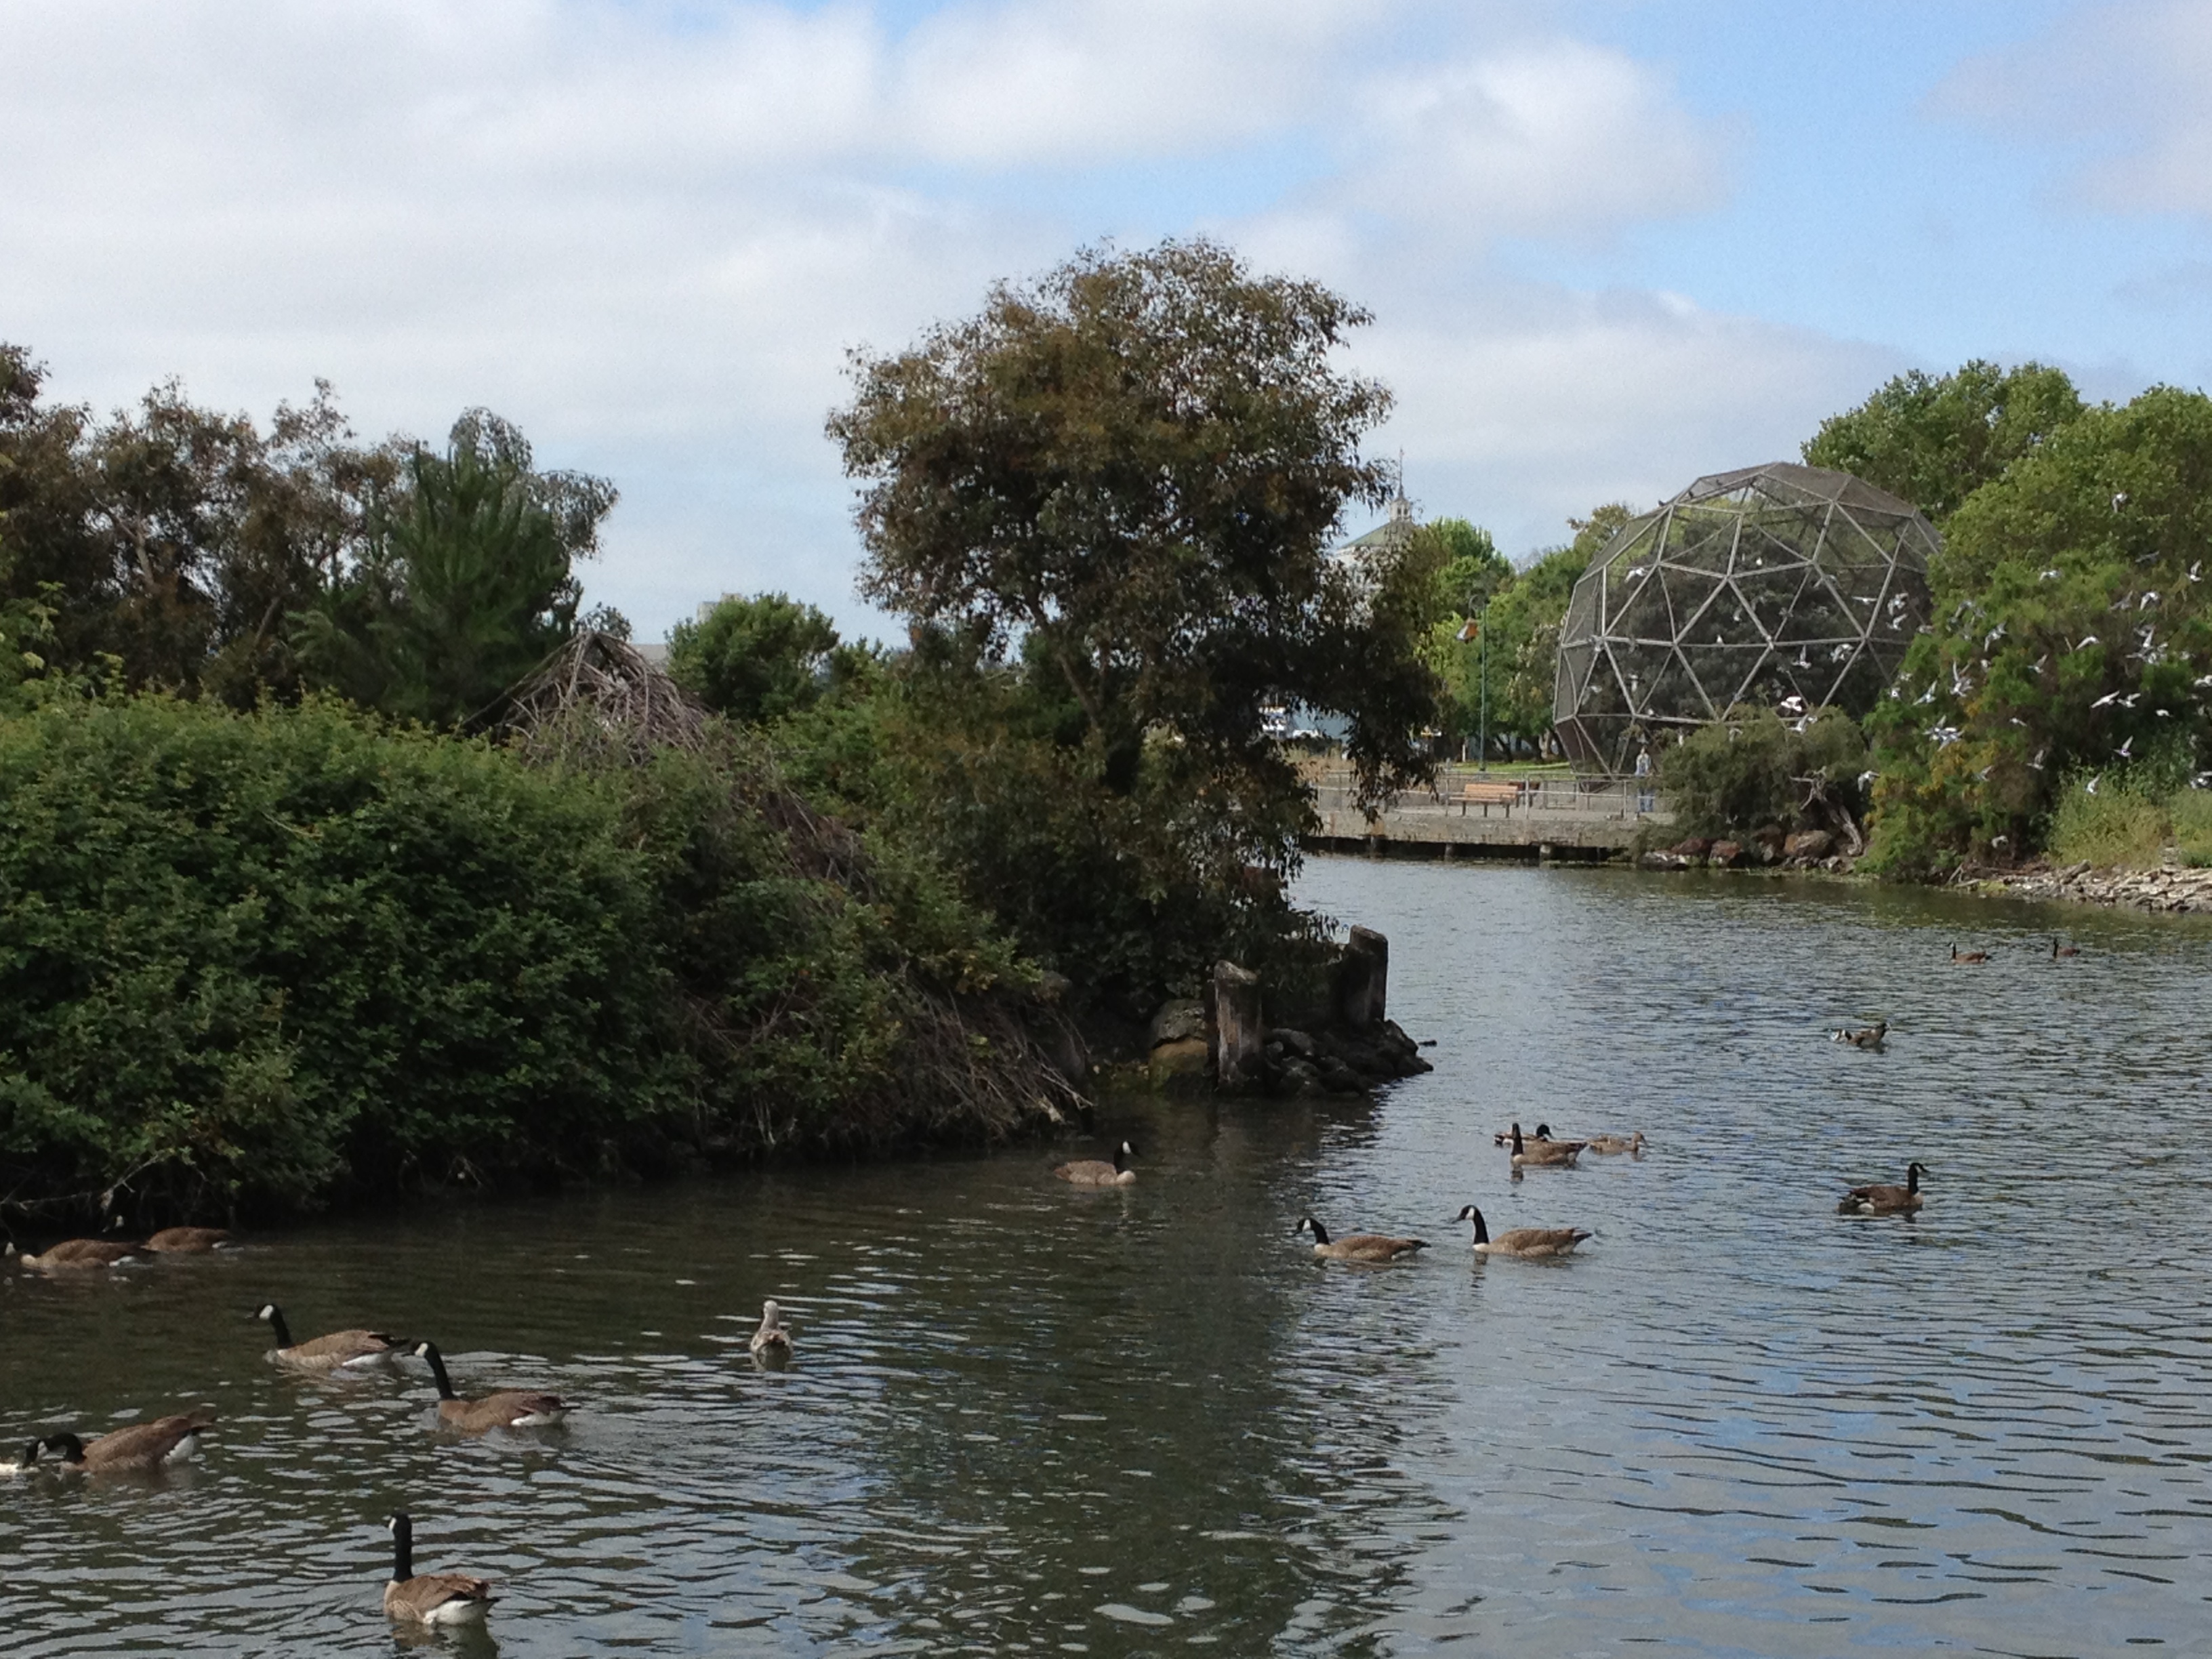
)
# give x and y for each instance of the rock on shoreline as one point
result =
(2171, 889)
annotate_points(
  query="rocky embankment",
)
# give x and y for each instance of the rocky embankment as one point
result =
(1808, 850)
(2171, 889)
(1348, 1046)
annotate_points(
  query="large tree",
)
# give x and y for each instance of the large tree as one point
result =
(166, 545)
(465, 583)
(2072, 638)
(1933, 439)
(1133, 470)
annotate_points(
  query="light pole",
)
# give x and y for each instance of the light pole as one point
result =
(1474, 631)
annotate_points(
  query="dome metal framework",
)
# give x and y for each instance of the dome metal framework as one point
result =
(1782, 586)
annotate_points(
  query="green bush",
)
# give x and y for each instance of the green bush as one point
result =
(257, 961)
(1753, 768)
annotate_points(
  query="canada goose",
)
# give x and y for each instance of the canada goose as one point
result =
(187, 1240)
(1358, 1247)
(79, 1253)
(508, 1408)
(774, 1336)
(1504, 1137)
(140, 1447)
(1533, 1243)
(2058, 950)
(1544, 1154)
(338, 1351)
(1958, 956)
(1613, 1143)
(1865, 1037)
(1097, 1172)
(1885, 1200)
(433, 1598)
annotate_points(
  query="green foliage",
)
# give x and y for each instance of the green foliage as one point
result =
(757, 659)
(257, 960)
(2116, 828)
(1753, 768)
(1936, 440)
(1131, 471)
(2074, 628)
(168, 545)
(1132, 887)
(1473, 569)
(467, 582)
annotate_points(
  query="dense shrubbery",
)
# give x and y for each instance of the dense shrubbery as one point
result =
(259, 959)
(2073, 637)
(1754, 769)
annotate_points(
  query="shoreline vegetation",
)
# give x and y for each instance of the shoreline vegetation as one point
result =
(346, 851)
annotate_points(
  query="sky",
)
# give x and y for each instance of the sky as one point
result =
(1609, 244)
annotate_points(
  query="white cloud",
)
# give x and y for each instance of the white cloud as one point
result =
(1531, 406)
(2127, 83)
(649, 237)
(1557, 139)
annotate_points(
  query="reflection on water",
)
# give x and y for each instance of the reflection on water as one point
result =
(1027, 1418)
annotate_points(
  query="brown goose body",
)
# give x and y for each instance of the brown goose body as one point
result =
(1544, 1154)
(337, 1351)
(1097, 1172)
(1865, 1037)
(1532, 1244)
(1612, 1146)
(1358, 1247)
(1885, 1200)
(772, 1338)
(2058, 950)
(430, 1598)
(81, 1253)
(1966, 958)
(135, 1449)
(187, 1240)
(507, 1408)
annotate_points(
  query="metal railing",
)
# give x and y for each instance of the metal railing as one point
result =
(1548, 793)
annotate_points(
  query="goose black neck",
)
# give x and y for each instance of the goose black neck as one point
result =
(437, 1364)
(1320, 1232)
(278, 1328)
(30, 1455)
(1121, 1158)
(1516, 1138)
(1912, 1178)
(70, 1448)
(1481, 1232)
(403, 1549)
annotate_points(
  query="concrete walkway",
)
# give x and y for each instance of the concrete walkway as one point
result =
(1553, 818)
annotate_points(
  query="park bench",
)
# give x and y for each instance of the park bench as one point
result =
(1488, 795)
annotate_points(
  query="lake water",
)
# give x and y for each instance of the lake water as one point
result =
(1024, 1418)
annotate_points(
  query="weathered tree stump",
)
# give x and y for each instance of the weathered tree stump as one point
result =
(1240, 1037)
(1362, 978)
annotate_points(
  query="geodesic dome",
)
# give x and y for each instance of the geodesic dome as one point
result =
(1761, 585)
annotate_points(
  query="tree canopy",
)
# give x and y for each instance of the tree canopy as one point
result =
(1936, 439)
(2073, 639)
(1135, 467)
(466, 581)
(755, 659)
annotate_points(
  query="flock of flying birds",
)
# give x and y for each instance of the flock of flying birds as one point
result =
(428, 1598)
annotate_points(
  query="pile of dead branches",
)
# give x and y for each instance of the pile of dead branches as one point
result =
(599, 691)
